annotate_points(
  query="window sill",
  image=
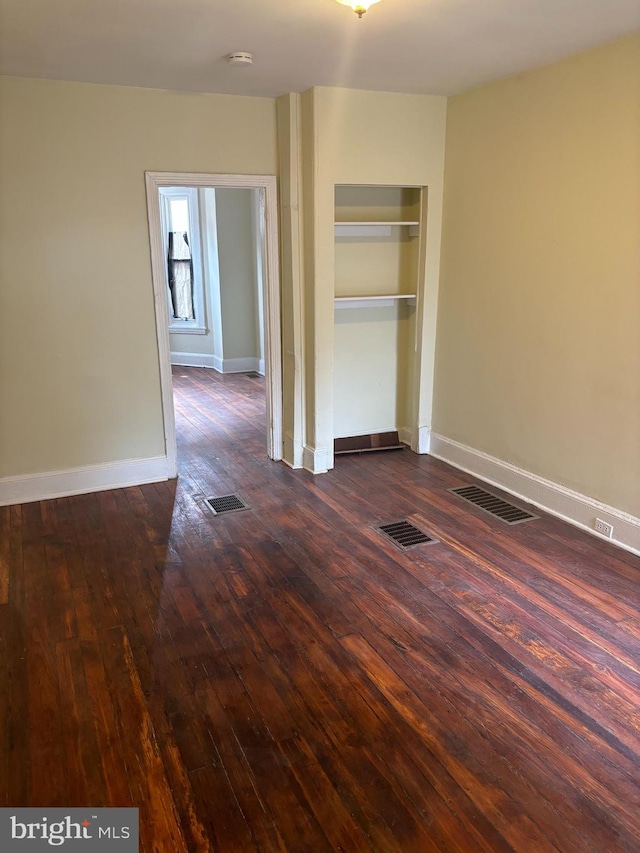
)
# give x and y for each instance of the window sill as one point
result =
(187, 330)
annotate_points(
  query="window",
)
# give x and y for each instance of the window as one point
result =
(182, 252)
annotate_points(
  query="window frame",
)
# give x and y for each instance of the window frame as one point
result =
(198, 325)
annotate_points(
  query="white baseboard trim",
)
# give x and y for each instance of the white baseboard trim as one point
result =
(293, 452)
(424, 440)
(222, 365)
(421, 440)
(317, 460)
(192, 359)
(405, 435)
(554, 498)
(239, 365)
(79, 481)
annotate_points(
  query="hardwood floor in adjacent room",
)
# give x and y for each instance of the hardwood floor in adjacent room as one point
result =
(285, 679)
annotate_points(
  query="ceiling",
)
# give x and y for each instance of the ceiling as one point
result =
(416, 46)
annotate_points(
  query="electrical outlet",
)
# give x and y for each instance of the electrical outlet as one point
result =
(603, 527)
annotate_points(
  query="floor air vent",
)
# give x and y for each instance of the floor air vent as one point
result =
(505, 511)
(226, 503)
(404, 534)
(253, 375)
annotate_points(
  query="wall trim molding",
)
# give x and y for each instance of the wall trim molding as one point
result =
(421, 440)
(192, 359)
(222, 365)
(424, 440)
(240, 365)
(405, 435)
(293, 451)
(79, 481)
(554, 498)
(317, 460)
(187, 330)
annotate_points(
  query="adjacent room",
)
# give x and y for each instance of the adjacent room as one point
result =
(320, 424)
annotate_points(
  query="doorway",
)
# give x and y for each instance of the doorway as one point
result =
(163, 185)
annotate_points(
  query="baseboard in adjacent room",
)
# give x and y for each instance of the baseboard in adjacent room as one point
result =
(241, 365)
(192, 359)
(77, 481)
(556, 499)
(222, 365)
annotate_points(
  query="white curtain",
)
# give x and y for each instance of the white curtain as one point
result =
(180, 267)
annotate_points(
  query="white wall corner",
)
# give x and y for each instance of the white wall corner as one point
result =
(554, 498)
(79, 481)
(192, 359)
(421, 440)
(317, 460)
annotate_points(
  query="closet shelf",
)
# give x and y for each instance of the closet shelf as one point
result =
(383, 301)
(374, 228)
(378, 222)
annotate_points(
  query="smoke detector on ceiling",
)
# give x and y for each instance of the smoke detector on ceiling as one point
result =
(240, 58)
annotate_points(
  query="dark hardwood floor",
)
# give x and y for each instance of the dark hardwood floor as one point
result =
(285, 679)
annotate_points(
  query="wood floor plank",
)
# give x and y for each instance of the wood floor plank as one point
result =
(145, 769)
(448, 648)
(83, 760)
(285, 679)
(335, 681)
(5, 553)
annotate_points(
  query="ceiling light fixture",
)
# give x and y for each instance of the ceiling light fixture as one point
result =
(358, 6)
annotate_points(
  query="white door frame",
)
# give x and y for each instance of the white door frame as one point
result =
(271, 295)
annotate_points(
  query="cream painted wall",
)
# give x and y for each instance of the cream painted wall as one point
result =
(373, 346)
(314, 359)
(376, 265)
(79, 381)
(538, 358)
(375, 138)
(291, 256)
(372, 361)
(238, 284)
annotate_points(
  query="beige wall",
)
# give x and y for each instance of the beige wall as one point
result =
(79, 381)
(291, 262)
(359, 137)
(372, 363)
(538, 357)
(373, 345)
(237, 264)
